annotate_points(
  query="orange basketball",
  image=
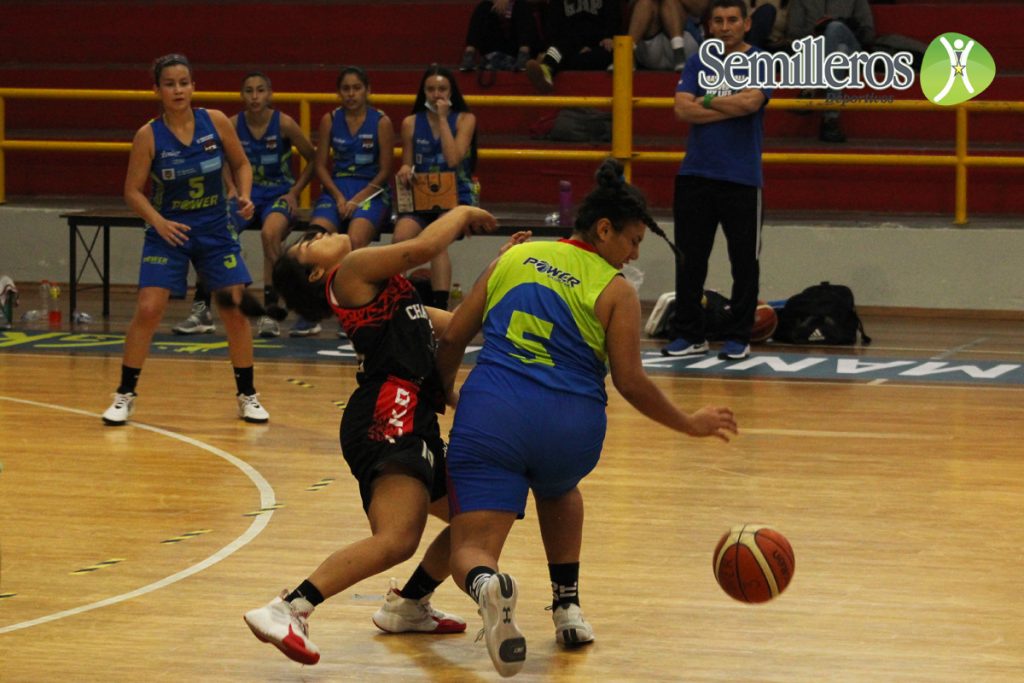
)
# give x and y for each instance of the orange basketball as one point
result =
(765, 322)
(753, 563)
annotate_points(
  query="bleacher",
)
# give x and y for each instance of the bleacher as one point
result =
(74, 44)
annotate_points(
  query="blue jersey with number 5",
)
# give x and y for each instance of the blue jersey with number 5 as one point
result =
(187, 183)
(540, 321)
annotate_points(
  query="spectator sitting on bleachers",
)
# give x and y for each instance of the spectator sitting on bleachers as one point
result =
(504, 32)
(661, 40)
(847, 26)
(579, 37)
(438, 137)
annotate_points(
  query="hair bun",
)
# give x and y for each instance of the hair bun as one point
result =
(609, 174)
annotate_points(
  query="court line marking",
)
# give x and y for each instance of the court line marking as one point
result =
(845, 435)
(267, 498)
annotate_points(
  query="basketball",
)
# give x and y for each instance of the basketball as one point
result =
(765, 322)
(753, 563)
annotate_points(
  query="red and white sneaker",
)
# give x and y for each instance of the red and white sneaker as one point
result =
(285, 625)
(402, 615)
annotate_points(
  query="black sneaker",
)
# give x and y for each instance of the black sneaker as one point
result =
(468, 62)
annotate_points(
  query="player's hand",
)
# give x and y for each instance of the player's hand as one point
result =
(517, 238)
(478, 221)
(451, 397)
(292, 200)
(608, 44)
(175, 234)
(713, 421)
(245, 207)
(404, 175)
(346, 209)
(443, 108)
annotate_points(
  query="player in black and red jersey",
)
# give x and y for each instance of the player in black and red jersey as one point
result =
(389, 433)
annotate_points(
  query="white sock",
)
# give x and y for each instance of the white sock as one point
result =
(677, 42)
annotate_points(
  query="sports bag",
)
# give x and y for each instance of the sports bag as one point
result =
(821, 314)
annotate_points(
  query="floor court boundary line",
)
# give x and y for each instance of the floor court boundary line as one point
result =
(267, 499)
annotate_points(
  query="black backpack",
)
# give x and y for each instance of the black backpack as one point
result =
(821, 314)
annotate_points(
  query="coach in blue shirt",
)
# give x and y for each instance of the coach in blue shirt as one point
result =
(719, 181)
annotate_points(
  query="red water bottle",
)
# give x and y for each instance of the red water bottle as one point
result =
(53, 305)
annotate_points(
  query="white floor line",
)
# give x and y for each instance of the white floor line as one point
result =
(846, 435)
(948, 353)
(267, 499)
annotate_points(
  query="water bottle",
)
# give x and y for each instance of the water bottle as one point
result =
(454, 296)
(564, 203)
(53, 313)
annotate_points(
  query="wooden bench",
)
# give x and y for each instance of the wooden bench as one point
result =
(105, 219)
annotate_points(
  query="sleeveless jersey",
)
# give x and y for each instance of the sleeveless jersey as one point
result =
(393, 337)
(428, 157)
(356, 156)
(270, 157)
(539, 321)
(187, 182)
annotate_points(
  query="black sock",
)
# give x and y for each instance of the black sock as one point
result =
(129, 378)
(473, 585)
(419, 584)
(308, 591)
(243, 380)
(565, 579)
(269, 295)
(439, 297)
(202, 293)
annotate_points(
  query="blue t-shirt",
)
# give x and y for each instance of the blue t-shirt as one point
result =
(270, 157)
(356, 155)
(724, 150)
(187, 183)
(428, 156)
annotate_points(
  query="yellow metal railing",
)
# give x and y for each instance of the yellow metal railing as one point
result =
(622, 104)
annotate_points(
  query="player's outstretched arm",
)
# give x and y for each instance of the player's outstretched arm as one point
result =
(622, 340)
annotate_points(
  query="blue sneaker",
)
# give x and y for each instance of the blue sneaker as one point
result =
(304, 328)
(681, 347)
(734, 350)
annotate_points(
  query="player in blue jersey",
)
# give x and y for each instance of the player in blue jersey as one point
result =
(354, 162)
(554, 315)
(267, 136)
(439, 135)
(182, 154)
(389, 433)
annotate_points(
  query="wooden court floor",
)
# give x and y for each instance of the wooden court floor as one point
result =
(130, 554)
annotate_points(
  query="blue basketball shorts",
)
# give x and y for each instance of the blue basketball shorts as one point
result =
(374, 210)
(512, 435)
(216, 255)
(262, 208)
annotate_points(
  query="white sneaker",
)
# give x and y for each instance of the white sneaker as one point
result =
(250, 410)
(285, 625)
(120, 410)
(571, 629)
(505, 642)
(267, 327)
(402, 615)
(199, 321)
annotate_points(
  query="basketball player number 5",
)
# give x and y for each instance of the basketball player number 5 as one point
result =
(522, 324)
(196, 188)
